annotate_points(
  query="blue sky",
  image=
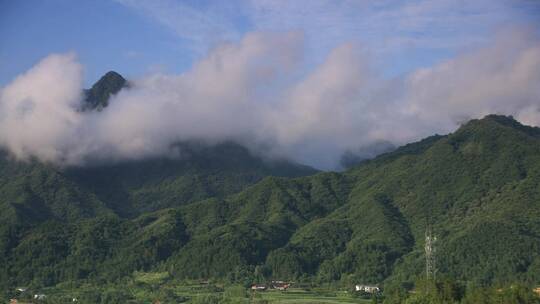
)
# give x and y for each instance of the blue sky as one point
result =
(135, 37)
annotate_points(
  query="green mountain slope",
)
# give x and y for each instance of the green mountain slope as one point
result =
(70, 223)
(199, 172)
(215, 215)
(477, 187)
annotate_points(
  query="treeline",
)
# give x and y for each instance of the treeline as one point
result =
(452, 292)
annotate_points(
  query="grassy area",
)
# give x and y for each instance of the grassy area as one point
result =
(147, 288)
(159, 287)
(293, 295)
(303, 296)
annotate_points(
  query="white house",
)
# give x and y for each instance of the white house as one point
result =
(367, 288)
(258, 287)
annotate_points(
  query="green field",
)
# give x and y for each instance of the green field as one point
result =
(303, 296)
(233, 294)
(153, 288)
(190, 293)
(291, 296)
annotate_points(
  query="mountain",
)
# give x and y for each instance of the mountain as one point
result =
(57, 223)
(477, 188)
(224, 213)
(48, 213)
(198, 171)
(97, 97)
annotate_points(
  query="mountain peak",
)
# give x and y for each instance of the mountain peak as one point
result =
(98, 96)
(112, 75)
(495, 120)
(502, 119)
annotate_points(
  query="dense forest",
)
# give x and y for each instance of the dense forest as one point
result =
(221, 212)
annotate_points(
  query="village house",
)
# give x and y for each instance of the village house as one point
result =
(280, 285)
(258, 287)
(367, 288)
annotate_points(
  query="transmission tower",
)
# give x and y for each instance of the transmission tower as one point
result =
(430, 255)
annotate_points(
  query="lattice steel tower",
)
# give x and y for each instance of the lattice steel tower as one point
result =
(430, 255)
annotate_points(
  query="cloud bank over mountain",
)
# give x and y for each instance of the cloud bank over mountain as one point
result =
(258, 92)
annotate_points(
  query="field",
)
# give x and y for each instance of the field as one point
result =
(186, 292)
(303, 296)
(294, 295)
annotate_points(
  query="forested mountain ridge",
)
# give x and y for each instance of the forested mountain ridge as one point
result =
(477, 187)
(216, 215)
(46, 209)
(199, 171)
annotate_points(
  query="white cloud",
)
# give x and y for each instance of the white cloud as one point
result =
(216, 100)
(500, 78)
(36, 109)
(250, 91)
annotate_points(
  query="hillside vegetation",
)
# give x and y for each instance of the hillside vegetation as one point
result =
(214, 214)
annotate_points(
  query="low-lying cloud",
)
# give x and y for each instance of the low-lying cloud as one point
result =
(258, 92)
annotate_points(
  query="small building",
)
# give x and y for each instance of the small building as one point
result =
(40, 297)
(280, 285)
(258, 287)
(367, 288)
(21, 289)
